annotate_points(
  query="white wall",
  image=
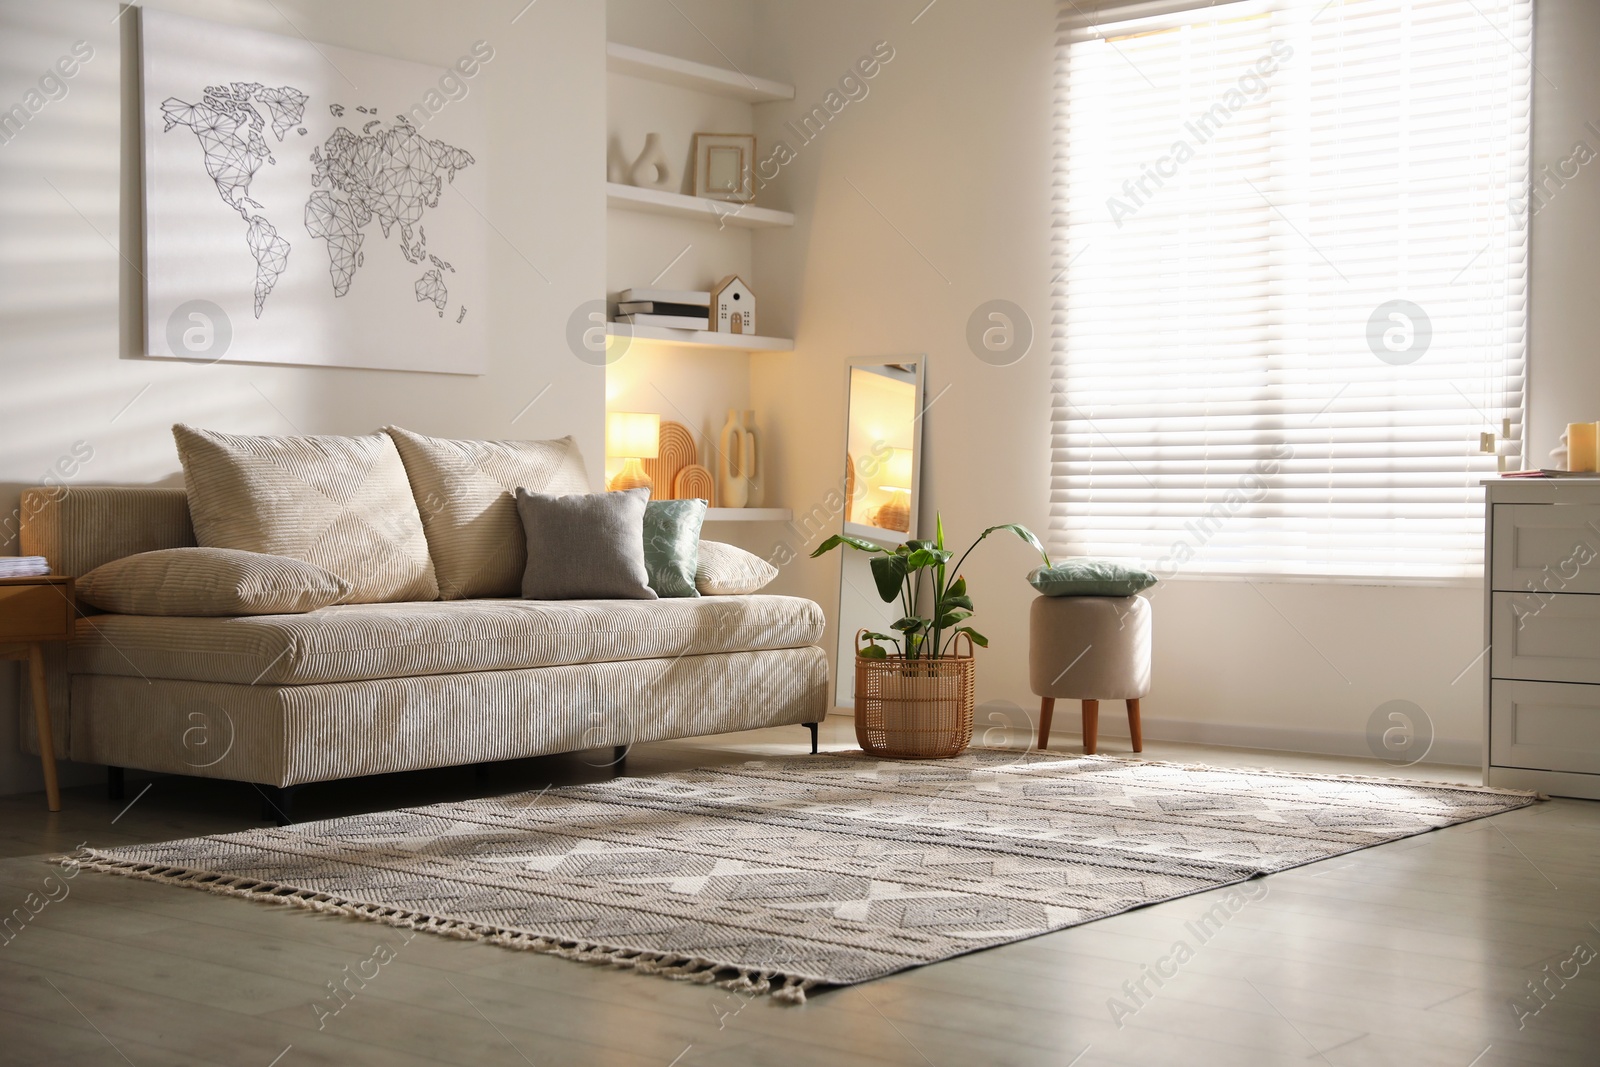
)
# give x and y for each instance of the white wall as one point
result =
(69, 299)
(932, 195)
(1565, 324)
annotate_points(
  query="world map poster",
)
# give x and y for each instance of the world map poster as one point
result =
(303, 205)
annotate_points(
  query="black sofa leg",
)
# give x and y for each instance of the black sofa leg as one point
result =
(277, 803)
(813, 728)
(619, 754)
(114, 787)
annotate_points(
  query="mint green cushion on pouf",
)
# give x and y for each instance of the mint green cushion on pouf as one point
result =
(1090, 577)
(672, 545)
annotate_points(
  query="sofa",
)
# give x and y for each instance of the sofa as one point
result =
(357, 689)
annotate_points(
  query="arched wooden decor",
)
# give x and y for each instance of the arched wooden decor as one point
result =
(695, 481)
(677, 451)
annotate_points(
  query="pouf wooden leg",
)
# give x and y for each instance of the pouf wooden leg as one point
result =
(1133, 725)
(1047, 708)
(1091, 725)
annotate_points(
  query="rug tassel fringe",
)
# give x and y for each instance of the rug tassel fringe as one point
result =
(792, 989)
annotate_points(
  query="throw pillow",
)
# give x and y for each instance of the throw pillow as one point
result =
(672, 545)
(1090, 577)
(585, 547)
(464, 491)
(201, 582)
(729, 571)
(342, 503)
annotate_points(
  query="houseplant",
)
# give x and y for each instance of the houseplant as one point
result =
(916, 702)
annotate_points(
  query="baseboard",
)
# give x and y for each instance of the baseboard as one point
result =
(1455, 752)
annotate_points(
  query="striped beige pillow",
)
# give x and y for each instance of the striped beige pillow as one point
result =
(342, 503)
(464, 491)
(725, 570)
(203, 582)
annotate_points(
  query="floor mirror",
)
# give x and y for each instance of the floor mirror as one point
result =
(882, 478)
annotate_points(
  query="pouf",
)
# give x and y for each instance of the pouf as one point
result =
(1089, 648)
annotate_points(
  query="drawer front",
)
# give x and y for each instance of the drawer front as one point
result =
(1546, 638)
(1545, 726)
(34, 613)
(1553, 548)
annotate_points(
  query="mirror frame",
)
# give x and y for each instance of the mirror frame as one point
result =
(843, 668)
(919, 365)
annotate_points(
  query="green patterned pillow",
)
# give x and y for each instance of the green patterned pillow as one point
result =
(1090, 577)
(672, 545)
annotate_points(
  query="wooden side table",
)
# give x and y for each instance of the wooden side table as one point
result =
(33, 611)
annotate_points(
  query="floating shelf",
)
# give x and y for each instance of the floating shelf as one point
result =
(670, 70)
(748, 514)
(740, 342)
(722, 212)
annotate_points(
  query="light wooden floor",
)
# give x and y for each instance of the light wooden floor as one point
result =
(1407, 954)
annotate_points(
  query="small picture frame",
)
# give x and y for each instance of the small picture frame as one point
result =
(724, 166)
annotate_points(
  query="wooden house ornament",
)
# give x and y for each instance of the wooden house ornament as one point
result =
(733, 306)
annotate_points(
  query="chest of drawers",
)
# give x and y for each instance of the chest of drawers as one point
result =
(1542, 628)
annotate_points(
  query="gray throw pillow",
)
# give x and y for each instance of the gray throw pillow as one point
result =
(1090, 577)
(585, 547)
(672, 545)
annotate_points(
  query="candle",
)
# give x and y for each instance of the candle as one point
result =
(1582, 452)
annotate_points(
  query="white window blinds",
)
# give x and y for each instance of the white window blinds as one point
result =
(1292, 250)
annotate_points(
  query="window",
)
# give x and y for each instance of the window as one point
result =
(1292, 289)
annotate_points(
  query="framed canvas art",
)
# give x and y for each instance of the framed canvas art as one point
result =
(292, 217)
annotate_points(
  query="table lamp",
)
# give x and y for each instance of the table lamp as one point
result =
(630, 437)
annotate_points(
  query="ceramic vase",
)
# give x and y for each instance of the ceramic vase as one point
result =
(650, 170)
(733, 479)
(755, 464)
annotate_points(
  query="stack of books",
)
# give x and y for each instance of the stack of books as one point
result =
(678, 309)
(23, 566)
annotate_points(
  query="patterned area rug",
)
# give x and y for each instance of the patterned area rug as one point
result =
(779, 875)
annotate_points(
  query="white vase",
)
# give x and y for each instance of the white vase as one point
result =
(755, 463)
(650, 170)
(733, 481)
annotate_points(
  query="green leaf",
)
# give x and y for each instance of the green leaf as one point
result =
(873, 652)
(957, 602)
(938, 529)
(889, 572)
(845, 539)
(977, 638)
(959, 586)
(949, 619)
(910, 625)
(919, 559)
(915, 545)
(1022, 532)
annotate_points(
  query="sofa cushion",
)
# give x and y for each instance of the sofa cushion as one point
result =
(583, 547)
(672, 545)
(342, 503)
(726, 570)
(352, 642)
(464, 491)
(209, 582)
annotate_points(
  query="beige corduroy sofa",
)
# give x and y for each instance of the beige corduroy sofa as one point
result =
(362, 689)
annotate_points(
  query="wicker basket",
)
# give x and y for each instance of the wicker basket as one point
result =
(915, 709)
